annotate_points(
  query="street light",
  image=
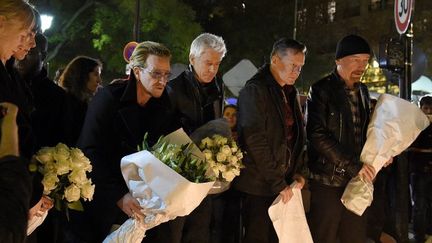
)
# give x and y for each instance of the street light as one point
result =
(46, 21)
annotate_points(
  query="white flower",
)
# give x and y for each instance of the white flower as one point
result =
(49, 167)
(78, 177)
(62, 152)
(228, 175)
(49, 182)
(208, 154)
(206, 142)
(63, 166)
(79, 160)
(219, 140)
(45, 155)
(233, 160)
(234, 147)
(239, 155)
(226, 150)
(220, 157)
(72, 193)
(87, 190)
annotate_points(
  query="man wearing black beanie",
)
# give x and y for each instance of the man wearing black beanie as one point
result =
(337, 118)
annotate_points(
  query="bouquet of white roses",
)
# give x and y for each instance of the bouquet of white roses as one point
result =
(64, 173)
(223, 157)
(168, 180)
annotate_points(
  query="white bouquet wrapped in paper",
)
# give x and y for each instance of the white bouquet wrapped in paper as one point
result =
(394, 125)
(161, 187)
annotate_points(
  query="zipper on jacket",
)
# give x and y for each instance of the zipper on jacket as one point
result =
(340, 127)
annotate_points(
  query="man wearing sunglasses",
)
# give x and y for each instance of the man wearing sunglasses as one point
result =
(116, 121)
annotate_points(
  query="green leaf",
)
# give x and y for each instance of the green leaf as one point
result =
(77, 205)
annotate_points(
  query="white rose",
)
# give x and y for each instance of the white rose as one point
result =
(79, 160)
(221, 167)
(239, 155)
(87, 190)
(208, 154)
(45, 155)
(72, 193)
(228, 175)
(215, 170)
(62, 152)
(220, 157)
(226, 150)
(206, 143)
(49, 182)
(219, 140)
(78, 177)
(233, 160)
(234, 147)
(49, 167)
(63, 166)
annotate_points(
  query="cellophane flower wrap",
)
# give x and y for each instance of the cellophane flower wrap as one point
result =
(394, 125)
(168, 180)
(64, 173)
(222, 155)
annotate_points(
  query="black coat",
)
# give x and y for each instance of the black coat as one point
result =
(114, 126)
(262, 133)
(195, 104)
(15, 191)
(47, 119)
(330, 131)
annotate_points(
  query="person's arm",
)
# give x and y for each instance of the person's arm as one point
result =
(252, 124)
(321, 138)
(15, 182)
(9, 130)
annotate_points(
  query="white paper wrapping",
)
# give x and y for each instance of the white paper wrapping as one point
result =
(289, 219)
(36, 221)
(394, 125)
(162, 193)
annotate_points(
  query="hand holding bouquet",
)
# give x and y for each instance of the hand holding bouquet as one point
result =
(64, 176)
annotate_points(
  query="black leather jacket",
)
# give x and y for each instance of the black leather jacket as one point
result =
(269, 162)
(190, 100)
(330, 131)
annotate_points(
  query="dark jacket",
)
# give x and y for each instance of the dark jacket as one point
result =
(330, 131)
(47, 119)
(114, 126)
(14, 90)
(193, 103)
(420, 155)
(269, 162)
(15, 191)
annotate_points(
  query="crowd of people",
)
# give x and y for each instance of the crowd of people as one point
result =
(268, 122)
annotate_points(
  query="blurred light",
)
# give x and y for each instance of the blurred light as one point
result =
(375, 64)
(243, 5)
(46, 21)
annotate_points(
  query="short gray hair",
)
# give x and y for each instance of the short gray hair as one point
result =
(207, 40)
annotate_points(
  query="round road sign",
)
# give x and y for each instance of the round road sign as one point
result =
(402, 14)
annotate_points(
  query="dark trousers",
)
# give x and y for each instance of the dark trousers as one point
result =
(257, 223)
(197, 224)
(330, 221)
(422, 195)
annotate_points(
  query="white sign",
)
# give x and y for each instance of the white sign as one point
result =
(237, 76)
(402, 14)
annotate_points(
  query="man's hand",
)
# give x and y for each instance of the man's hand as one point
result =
(367, 172)
(130, 206)
(286, 194)
(300, 181)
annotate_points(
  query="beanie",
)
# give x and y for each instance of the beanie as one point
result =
(350, 45)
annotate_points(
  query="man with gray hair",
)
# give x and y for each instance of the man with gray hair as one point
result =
(197, 97)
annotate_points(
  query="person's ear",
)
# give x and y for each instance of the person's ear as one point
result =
(274, 60)
(136, 71)
(192, 60)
